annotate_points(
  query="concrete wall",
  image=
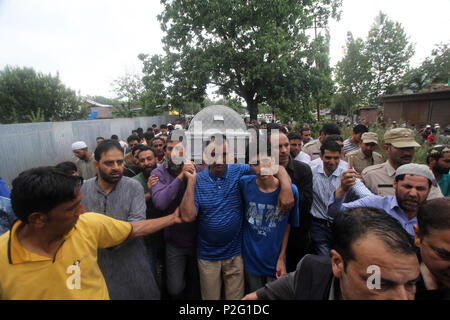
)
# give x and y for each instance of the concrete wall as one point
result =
(28, 145)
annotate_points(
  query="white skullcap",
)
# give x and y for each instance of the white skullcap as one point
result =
(79, 145)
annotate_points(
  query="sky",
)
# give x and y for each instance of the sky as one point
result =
(90, 43)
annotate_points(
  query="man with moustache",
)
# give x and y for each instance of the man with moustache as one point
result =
(213, 198)
(158, 144)
(412, 184)
(180, 241)
(126, 268)
(299, 242)
(146, 158)
(326, 179)
(438, 161)
(399, 145)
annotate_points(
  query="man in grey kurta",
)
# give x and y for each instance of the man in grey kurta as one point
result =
(126, 268)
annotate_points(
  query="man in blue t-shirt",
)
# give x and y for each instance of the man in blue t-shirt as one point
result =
(213, 198)
(266, 231)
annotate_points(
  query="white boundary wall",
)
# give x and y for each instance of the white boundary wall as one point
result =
(27, 145)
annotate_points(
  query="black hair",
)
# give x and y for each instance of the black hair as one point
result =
(67, 167)
(330, 128)
(146, 148)
(132, 138)
(304, 129)
(163, 126)
(158, 138)
(434, 214)
(275, 126)
(137, 147)
(294, 136)
(360, 128)
(334, 137)
(140, 130)
(154, 126)
(436, 152)
(330, 145)
(105, 146)
(100, 138)
(149, 135)
(114, 137)
(41, 189)
(354, 224)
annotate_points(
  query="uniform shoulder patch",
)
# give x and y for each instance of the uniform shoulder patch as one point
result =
(372, 168)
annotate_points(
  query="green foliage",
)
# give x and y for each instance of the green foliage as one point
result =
(257, 50)
(129, 90)
(26, 95)
(389, 52)
(353, 76)
(433, 70)
(36, 117)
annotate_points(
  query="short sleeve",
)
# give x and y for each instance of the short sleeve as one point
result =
(108, 231)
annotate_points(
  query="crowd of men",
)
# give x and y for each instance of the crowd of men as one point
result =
(303, 218)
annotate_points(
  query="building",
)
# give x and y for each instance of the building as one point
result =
(419, 109)
(98, 110)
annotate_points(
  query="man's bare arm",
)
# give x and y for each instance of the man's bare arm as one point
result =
(188, 212)
(145, 227)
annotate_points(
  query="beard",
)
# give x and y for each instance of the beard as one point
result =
(441, 170)
(112, 177)
(146, 171)
(174, 169)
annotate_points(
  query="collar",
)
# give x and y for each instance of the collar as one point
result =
(223, 176)
(112, 190)
(336, 173)
(18, 254)
(390, 170)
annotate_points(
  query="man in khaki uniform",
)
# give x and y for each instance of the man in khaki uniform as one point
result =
(313, 148)
(399, 145)
(365, 156)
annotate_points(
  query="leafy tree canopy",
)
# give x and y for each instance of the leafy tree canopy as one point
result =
(260, 51)
(27, 95)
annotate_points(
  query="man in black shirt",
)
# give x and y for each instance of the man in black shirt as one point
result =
(300, 173)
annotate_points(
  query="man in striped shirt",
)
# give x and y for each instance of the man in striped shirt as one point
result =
(326, 180)
(213, 198)
(352, 143)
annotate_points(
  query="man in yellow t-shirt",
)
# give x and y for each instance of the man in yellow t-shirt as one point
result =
(51, 251)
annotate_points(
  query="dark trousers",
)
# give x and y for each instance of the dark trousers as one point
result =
(321, 236)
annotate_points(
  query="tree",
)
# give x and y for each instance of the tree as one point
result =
(353, 76)
(433, 70)
(25, 95)
(389, 52)
(259, 51)
(129, 89)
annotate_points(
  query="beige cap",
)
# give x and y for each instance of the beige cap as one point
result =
(369, 137)
(400, 138)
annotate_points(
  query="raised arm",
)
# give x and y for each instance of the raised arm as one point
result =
(188, 211)
(286, 200)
